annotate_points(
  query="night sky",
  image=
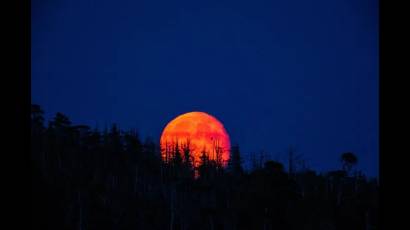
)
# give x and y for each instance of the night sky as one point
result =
(276, 73)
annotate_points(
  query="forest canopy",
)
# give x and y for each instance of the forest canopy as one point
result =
(85, 178)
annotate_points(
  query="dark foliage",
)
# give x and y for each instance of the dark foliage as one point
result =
(87, 179)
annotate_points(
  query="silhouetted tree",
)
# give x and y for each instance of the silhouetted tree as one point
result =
(274, 166)
(187, 160)
(37, 130)
(61, 121)
(177, 159)
(37, 116)
(204, 164)
(235, 161)
(348, 161)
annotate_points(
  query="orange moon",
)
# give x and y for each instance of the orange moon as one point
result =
(202, 130)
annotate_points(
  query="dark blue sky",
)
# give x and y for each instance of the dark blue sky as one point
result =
(276, 73)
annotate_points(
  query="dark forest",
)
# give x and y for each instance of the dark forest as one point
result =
(85, 178)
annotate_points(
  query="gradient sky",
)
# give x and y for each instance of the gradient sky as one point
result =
(276, 73)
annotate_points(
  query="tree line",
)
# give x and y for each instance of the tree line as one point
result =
(84, 178)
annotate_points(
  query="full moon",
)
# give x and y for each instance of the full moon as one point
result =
(202, 131)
